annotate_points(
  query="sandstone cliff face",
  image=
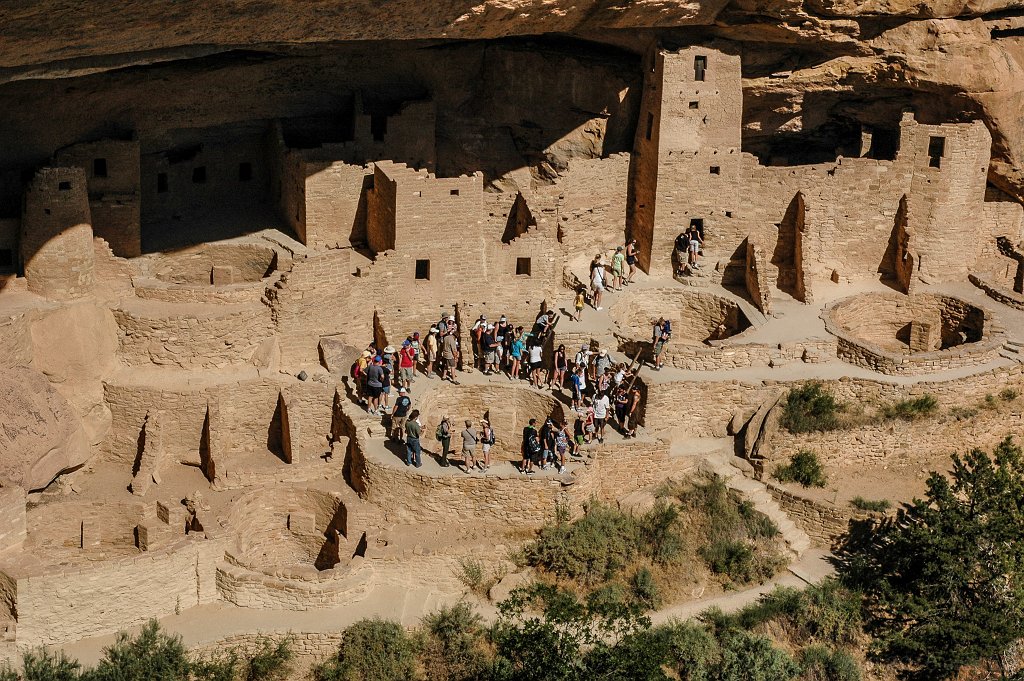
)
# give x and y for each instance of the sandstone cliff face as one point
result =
(815, 69)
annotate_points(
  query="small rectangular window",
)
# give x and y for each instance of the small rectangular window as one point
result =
(423, 269)
(244, 171)
(417, 194)
(64, 186)
(650, 125)
(728, 213)
(199, 175)
(936, 150)
(99, 167)
(378, 126)
(523, 267)
(716, 170)
(6, 257)
(700, 66)
(694, 105)
(161, 183)
(454, 192)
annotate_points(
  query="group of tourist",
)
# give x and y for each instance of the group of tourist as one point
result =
(620, 273)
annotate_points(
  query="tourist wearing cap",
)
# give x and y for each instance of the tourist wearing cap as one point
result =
(604, 361)
(400, 415)
(444, 436)
(406, 364)
(490, 346)
(503, 338)
(476, 333)
(390, 372)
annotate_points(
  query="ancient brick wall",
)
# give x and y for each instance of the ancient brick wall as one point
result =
(57, 607)
(56, 240)
(334, 209)
(113, 172)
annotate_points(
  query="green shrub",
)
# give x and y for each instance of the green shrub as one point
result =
(270, 661)
(659, 535)
(645, 589)
(41, 665)
(731, 558)
(594, 548)
(8, 674)
(758, 525)
(371, 650)
(989, 402)
(750, 657)
(810, 408)
(818, 663)
(805, 468)
(150, 655)
(692, 651)
(910, 410)
(607, 597)
(963, 413)
(1008, 394)
(876, 506)
(453, 646)
(471, 573)
(220, 665)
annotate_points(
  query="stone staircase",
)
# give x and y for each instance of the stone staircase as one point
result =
(1013, 349)
(717, 458)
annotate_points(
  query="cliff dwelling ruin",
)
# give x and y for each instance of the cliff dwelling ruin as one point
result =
(199, 243)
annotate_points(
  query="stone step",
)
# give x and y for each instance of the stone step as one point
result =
(1010, 355)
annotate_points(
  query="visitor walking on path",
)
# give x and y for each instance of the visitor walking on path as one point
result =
(559, 364)
(400, 415)
(487, 439)
(536, 363)
(531, 447)
(469, 440)
(580, 303)
(633, 411)
(597, 281)
(444, 436)
(516, 353)
(449, 354)
(374, 386)
(413, 450)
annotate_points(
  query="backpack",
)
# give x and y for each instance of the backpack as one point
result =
(533, 444)
(354, 370)
(438, 434)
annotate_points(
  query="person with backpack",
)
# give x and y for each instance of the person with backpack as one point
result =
(443, 434)
(374, 386)
(502, 340)
(682, 249)
(400, 414)
(662, 333)
(487, 440)
(531, 448)
(413, 450)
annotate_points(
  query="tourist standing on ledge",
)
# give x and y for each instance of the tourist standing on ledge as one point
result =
(601, 406)
(631, 261)
(559, 365)
(516, 353)
(444, 436)
(530, 448)
(406, 364)
(431, 352)
(469, 440)
(487, 439)
(536, 362)
(400, 415)
(696, 241)
(580, 303)
(476, 335)
(413, 450)
(374, 386)
(661, 334)
(618, 262)
(597, 280)
(449, 353)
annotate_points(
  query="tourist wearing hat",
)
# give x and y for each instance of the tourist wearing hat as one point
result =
(489, 344)
(487, 439)
(476, 333)
(359, 375)
(444, 436)
(390, 366)
(618, 266)
(431, 347)
(604, 361)
(400, 414)
(503, 337)
(406, 364)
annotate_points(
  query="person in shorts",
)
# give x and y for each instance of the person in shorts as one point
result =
(400, 414)
(536, 363)
(618, 266)
(660, 336)
(530, 448)
(601, 407)
(431, 349)
(487, 440)
(469, 440)
(630, 261)
(597, 282)
(580, 303)
(406, 364)
(695, 245)
(374, 386)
